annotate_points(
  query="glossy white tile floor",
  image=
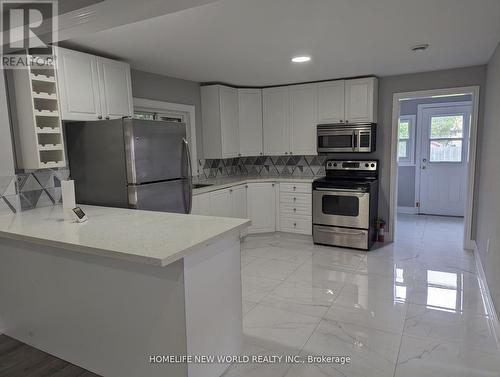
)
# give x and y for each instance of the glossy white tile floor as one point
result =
(411, 308)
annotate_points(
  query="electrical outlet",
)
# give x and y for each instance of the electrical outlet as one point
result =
(488, 245)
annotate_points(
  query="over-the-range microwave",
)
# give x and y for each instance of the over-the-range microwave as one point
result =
(359, 138)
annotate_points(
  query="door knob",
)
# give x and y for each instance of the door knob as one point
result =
(423, 167)
(424, 160)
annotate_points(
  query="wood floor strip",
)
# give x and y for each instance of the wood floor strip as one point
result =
(20, 360)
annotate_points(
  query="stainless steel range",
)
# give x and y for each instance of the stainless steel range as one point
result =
(345, 204)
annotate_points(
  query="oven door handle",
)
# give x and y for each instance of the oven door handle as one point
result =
(345, 191)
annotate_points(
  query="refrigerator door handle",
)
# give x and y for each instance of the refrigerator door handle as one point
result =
(189, 175)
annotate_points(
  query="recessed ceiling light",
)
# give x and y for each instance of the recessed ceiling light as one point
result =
(301, 59)
(421, 47)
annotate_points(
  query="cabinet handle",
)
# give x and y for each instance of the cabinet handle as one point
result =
(230, 190)
(295, 210)
(239, 154)
(286, 152)
(273, 184)
(294, 224)
(246, 186)
(294, 188)
(107, 118)
(294, 199)
(261, 153)
(341, 121)
(99, 117)
(347, 121)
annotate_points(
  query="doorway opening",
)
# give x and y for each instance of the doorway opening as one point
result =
(433, 162)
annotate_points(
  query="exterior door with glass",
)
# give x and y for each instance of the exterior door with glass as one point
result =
(444, 159)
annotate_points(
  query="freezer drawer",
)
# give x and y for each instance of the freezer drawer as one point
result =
(344, 237)
(170, 196)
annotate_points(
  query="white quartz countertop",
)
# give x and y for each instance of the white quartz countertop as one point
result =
(155, 238)
(222, 183)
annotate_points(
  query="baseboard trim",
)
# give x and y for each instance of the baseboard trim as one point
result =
(488, 302)
(408, 210)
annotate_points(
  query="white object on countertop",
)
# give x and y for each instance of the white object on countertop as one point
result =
(68, 198)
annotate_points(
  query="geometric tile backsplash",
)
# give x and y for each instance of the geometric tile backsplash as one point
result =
(295, 166)
(31, 189)
(39, 188)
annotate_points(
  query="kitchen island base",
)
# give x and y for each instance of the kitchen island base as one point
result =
(111, 316)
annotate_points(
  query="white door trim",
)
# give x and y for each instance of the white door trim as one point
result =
(418, 138)
(146, 104)
(471, 169)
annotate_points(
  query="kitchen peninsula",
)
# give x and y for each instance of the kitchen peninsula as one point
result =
(126, 285)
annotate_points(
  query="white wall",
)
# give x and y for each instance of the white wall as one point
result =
(170, 89)
(488, 208)
(6, 154)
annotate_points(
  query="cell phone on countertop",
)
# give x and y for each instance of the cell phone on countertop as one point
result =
(80, 216)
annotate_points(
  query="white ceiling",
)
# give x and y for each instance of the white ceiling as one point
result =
(250, 42)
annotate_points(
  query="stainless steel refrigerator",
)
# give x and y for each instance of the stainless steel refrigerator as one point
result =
(130, 163)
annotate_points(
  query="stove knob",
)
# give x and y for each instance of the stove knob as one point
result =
(373, 165)
(367, 164)
(335, 164)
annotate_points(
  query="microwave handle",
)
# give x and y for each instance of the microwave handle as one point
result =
(355, 140)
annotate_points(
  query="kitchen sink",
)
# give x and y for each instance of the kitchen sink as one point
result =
(201, 185)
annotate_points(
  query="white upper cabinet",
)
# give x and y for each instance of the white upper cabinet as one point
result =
(78, 83)
(303, 118)
(92, 87)
(116, 88)
(290, 117)
(219, 108)
(276, 120)
(361, 100)
(348, 101)
(250, 121)
(331, 102)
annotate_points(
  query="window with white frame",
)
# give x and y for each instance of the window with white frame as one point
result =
(446, 138)
(406, 140)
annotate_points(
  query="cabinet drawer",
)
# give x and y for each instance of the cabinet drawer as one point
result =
(295, 210)
(302, 225)
(295, 187)
(297, 199)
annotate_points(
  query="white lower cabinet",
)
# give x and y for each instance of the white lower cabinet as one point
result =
(220, 203)
(285, 207)
(261, 207)
(201, 204)
(295, 208)
(239, 201)
(230, 202)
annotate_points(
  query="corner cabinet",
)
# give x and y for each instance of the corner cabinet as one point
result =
(250, 121)
(348, 101)
(219, 110)
(92, 87)
(303, 119)
(276, 123)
